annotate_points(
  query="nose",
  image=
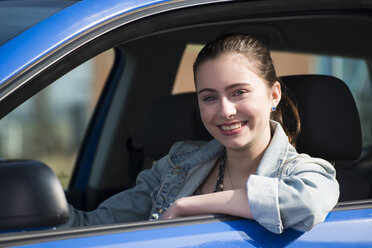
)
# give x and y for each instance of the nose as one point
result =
(227, 109)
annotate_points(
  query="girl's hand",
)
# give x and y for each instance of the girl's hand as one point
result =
(174, 210)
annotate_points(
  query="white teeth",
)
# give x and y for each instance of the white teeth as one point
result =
(232, 127)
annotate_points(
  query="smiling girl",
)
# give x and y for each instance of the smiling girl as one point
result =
(259, 174)
(250, 169)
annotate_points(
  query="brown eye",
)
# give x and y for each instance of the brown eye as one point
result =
(238, 92)
(209, 99)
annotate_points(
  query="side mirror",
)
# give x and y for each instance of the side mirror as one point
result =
(30, 196)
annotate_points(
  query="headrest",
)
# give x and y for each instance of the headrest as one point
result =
(330, 125)
(174, 118)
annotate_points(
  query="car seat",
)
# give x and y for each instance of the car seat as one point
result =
(330, 125)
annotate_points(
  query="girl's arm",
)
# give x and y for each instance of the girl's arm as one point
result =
(231, 202)
(300, 200)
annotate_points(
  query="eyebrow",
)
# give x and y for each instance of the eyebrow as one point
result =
(227, 88)
(206, 89)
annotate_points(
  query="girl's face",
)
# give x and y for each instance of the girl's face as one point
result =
(235, 102)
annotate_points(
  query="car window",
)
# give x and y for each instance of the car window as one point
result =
(353, 71)
(50, 126)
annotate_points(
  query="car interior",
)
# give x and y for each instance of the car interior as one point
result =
(135, 133)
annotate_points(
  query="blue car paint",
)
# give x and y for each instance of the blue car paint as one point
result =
(56, 30)
(341, 229)
(18, 16)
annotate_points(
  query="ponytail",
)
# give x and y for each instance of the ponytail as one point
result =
(287, 115)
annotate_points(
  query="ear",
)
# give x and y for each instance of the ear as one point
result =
(276, 94)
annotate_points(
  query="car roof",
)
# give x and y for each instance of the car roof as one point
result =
(18, 15)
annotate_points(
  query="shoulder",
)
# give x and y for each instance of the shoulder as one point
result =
(300, 162)
(185, 147)
(187, 154)
(191, 153)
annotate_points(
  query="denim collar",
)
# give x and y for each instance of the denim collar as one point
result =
(198, 161)
(273, 158)
(197, 155)
(275, 154)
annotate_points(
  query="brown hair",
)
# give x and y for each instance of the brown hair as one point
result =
(258, 54)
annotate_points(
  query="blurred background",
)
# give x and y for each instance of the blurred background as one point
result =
(50, 126)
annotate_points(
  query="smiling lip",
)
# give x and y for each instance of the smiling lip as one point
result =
(231, 128)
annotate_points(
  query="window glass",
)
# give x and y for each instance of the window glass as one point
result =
(353, 71)
(184, 81)
(50, 126)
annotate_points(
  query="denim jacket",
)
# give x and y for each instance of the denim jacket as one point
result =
(288, 189)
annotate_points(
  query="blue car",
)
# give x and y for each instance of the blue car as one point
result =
(92, 92)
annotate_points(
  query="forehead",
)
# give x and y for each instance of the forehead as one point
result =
(230, 61)
(226, 69)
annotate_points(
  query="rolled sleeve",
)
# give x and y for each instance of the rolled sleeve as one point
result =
(299, 200)
(263, 200)
(307, 195)
(291, 190)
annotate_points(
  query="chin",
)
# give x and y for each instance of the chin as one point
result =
(234, 144)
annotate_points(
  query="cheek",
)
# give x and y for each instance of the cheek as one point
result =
(206, 114)
(263, 101)
(255, 107)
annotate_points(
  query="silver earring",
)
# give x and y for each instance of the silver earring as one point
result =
(273, 109)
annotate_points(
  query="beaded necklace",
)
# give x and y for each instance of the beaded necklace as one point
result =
(221, 174)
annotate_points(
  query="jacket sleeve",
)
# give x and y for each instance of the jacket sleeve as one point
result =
(127, 206)
(301, 198)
